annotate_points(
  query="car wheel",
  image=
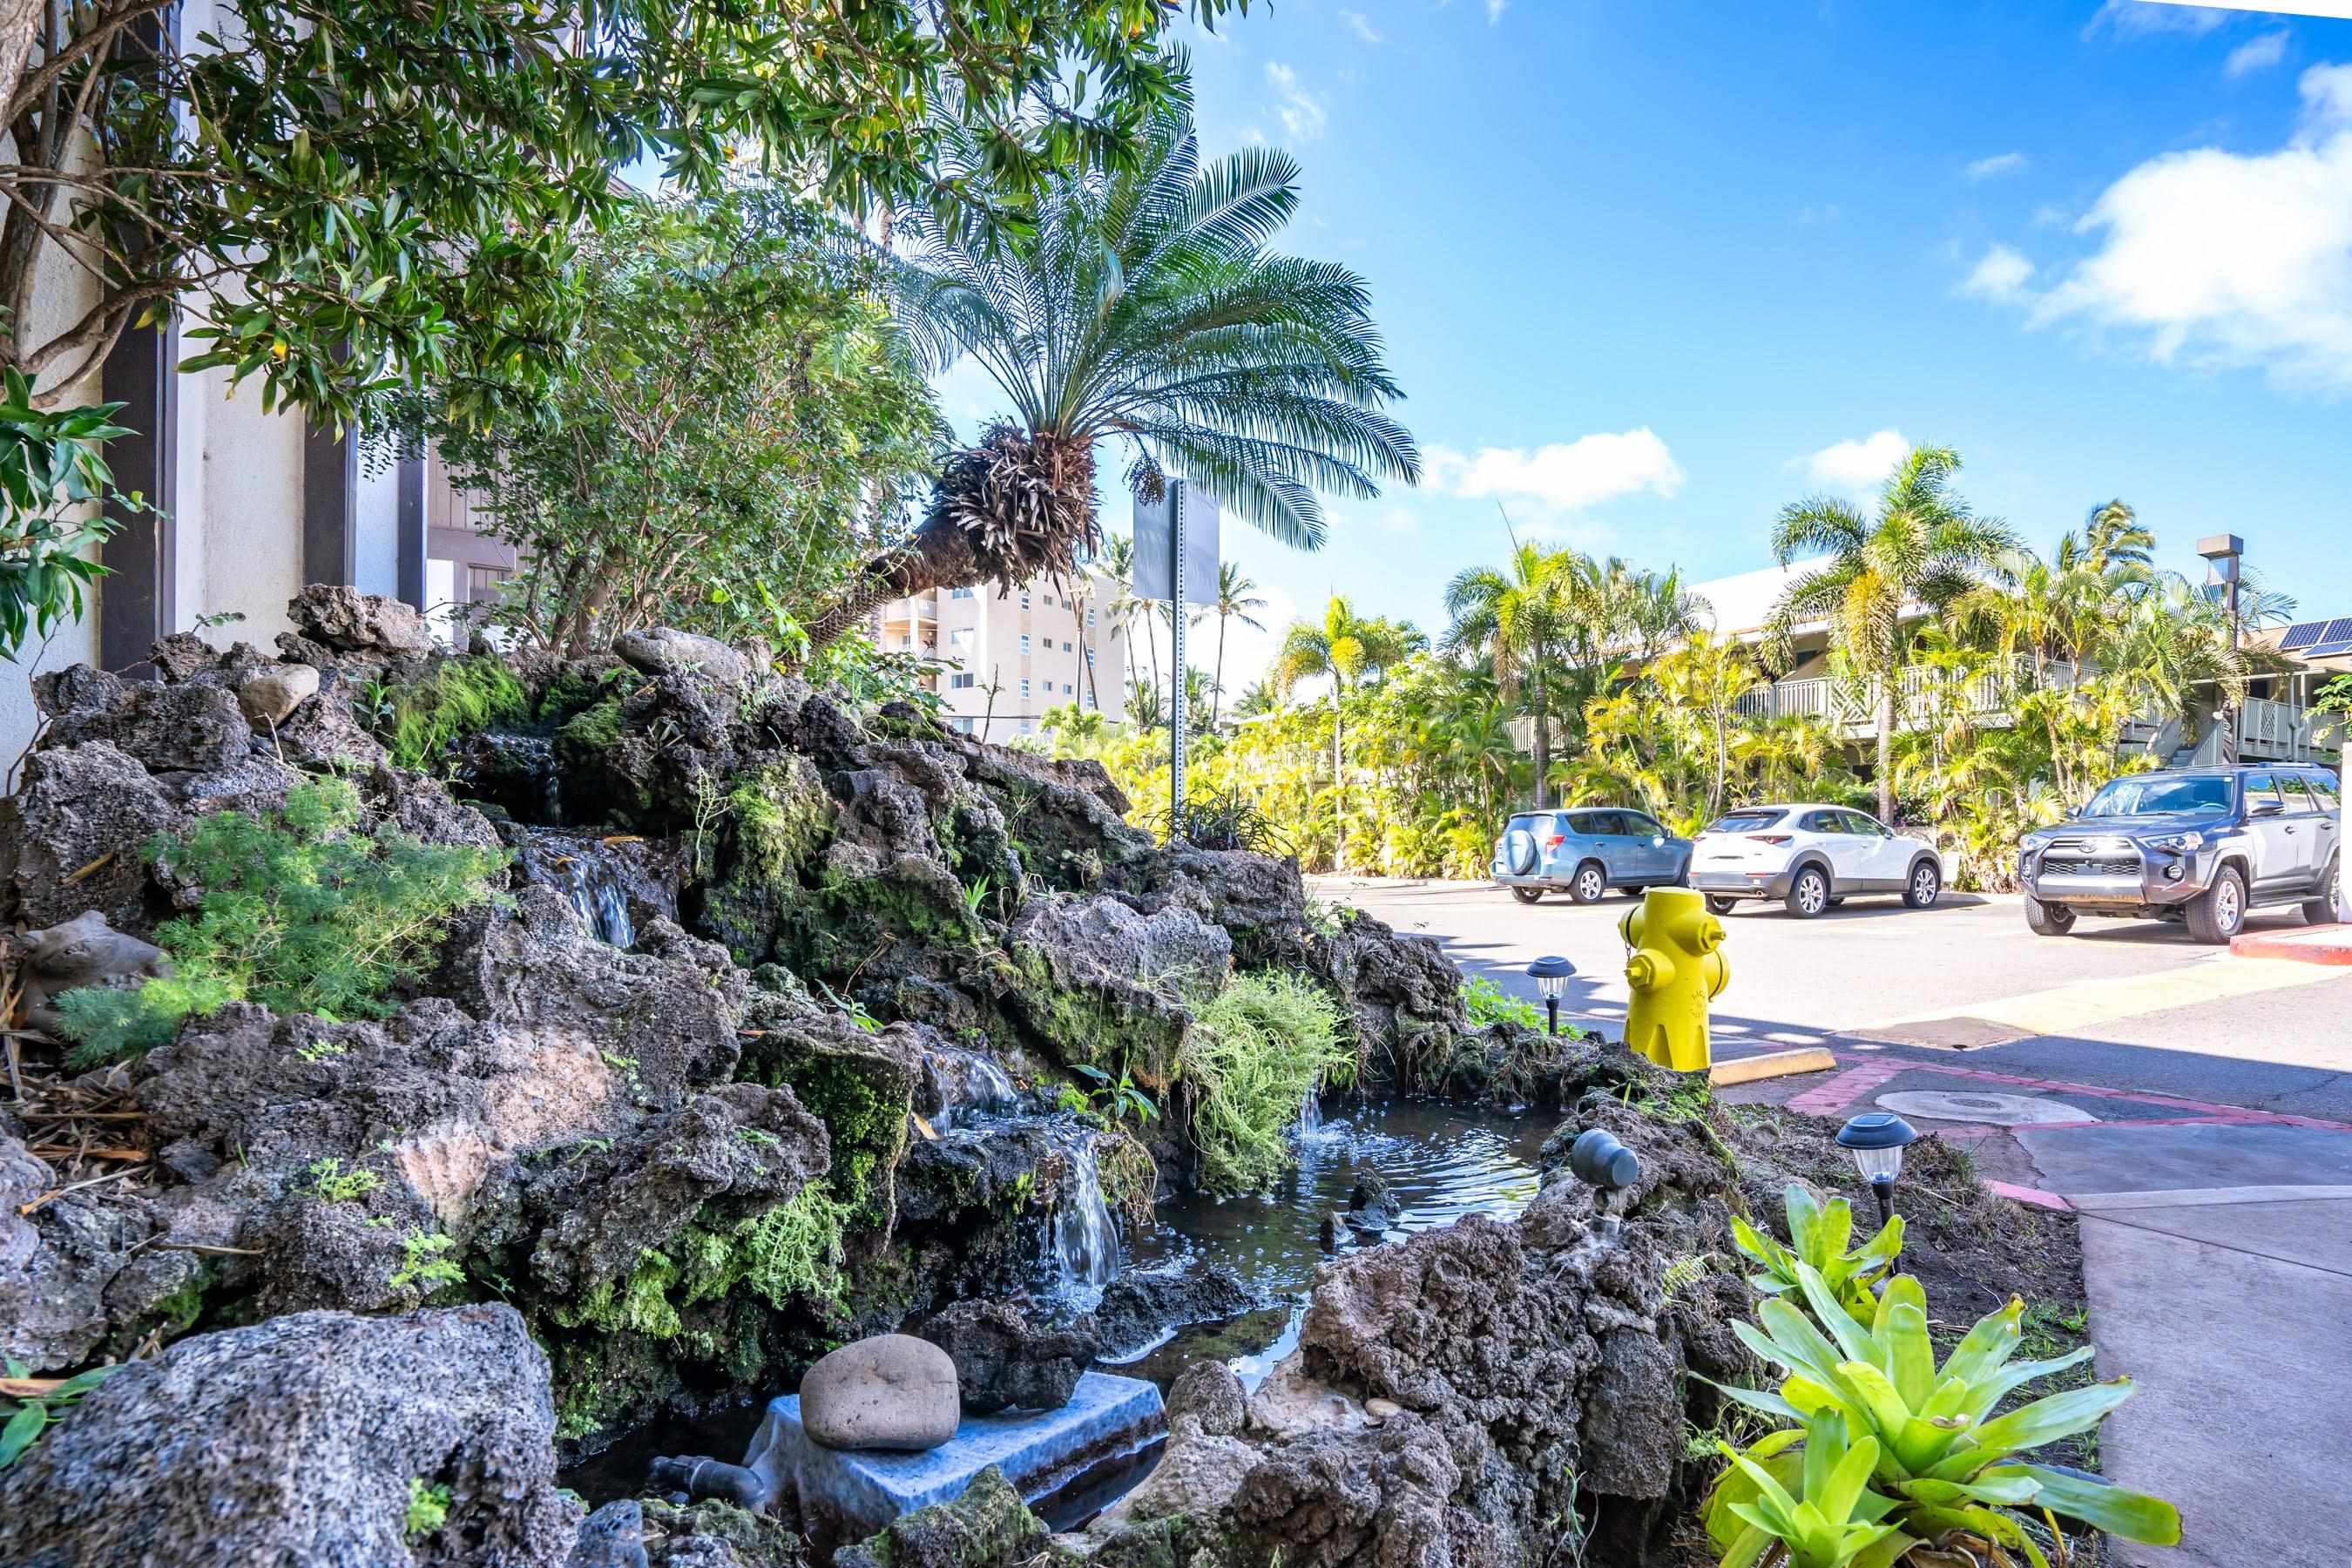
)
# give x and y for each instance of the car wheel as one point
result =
(1809, 895)
(1588, 884)
(2047, 920)
(2321, 911)
(2217, 914)
(1527, 894)
(1926, 883)
(1715, 906)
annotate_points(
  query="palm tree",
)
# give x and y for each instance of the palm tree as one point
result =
(1925, 547)
(1116, 562)
(1236, 597)
(1516, 618)
(1138, 304)
(1257, 698)
(1346, 648)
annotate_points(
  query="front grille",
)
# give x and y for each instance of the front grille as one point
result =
(2053, 866)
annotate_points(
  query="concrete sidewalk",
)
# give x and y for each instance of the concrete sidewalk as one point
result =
(2217, 1255)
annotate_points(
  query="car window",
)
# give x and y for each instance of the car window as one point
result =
(1747, 822)
(1823, 822)
(1605, 824)
(2324, 788)
(1866, 827)
(1521, 824)
(1641, 826)
(2161, 796)
(2261, 790)
(2297, 794)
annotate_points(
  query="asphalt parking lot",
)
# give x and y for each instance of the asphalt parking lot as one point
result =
(2126, 1003)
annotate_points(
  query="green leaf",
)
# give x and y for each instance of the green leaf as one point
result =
(2134, 1516)
(2056, 1415)
(23, 1430)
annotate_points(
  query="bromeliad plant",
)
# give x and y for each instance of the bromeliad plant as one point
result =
(1949, 1465)
(1833, 1521)
(1820, 1233)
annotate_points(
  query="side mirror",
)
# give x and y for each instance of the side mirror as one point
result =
(2266, 808)
(1657, 843)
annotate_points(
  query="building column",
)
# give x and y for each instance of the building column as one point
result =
(331, 493)
(412, 530)
(136, 599)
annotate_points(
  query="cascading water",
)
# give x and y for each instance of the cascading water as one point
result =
(968, 1084)
(1081, 1241)
(588, 871)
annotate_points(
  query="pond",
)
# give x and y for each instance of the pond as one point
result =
(1441, 1161)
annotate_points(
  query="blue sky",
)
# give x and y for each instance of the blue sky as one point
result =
(2100, 250)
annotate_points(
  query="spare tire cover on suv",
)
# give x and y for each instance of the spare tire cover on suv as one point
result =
(1520, 852)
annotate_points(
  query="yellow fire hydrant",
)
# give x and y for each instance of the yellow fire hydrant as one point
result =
(1675, 968)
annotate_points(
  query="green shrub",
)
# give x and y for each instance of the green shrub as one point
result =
(462, 697)
(428, 1509)
(301, 912)
(1820, 1233)
(1254, 1053)
(795, 1249)
(1486, 1002)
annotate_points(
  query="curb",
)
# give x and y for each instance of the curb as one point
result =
(2317, 944)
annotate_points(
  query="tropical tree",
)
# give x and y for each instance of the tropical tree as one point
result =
(1140, 306)
(1115, 563)
(1346, 649)
(1516, 620)
(1236, 597)
(1925, 547)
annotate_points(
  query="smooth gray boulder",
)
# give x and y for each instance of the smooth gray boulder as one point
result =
(270, 698)
(304, 1439)
(664, 650)
(893, 1391)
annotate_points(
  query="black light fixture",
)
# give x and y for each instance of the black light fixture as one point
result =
(1550, 974)
(1601, 1162)
(1877, 1139)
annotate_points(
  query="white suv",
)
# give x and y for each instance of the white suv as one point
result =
(1810, 858)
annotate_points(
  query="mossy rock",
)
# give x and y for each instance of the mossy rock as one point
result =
(863, 1088)
(987, 1527)
(780, 820)
(460, 697)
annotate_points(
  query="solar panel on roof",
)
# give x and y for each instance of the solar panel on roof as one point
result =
(2337, 631)
(2329, 649)
(2302, 634)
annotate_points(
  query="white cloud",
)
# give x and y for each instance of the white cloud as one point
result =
(1358, 26)
(2254, 54)
(1858, 468)
(1495, 10)
(2224, 259)
(1999, 163)
(1302, 114)
(2001, 275)
(1569, 474)
(2127, 18)
(2049, 215)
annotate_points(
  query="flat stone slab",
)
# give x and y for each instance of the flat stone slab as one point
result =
(855, 1492)
(1982, 1107)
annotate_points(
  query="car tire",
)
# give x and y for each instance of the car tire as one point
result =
(1589, 885)
(2321, 911)
(2047, 920)
(1809, 892)
(1926, 886)
(1715, 906)
(1527, 894)
(1635, 891)
(2218, 913)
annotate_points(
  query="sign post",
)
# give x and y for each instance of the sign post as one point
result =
(1176, 546)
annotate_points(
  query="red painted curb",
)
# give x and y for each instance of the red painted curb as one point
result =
(2033, 1195)
(2299, 946)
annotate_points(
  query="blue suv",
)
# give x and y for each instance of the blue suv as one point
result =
(1587, 850)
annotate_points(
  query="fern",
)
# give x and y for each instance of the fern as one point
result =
(1254, 1052)
(301, 912)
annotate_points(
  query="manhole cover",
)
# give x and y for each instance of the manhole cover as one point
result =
(1993, 1110)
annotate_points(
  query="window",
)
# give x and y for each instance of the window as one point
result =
(965, 726)
(1641, 826)
(1024, 645)
(1091, 617)
(1065, 688)
(1087, 700)
(2323, 789)
(2161, 796)
(962, 681)
(1025, 598)
(2298, 792)
(1605, 824)
(959, 594)
(1747, 822)
(959, 638)
(1090, 658)
(485, 585)
(1862, 827)
(1823, 822)
(1025, 726)
(1024, 688)
(2261, 791)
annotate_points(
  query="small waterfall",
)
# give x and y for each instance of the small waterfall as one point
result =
(965, 1083)
(591, 873)
(1310, 1116)
(1081, 1243)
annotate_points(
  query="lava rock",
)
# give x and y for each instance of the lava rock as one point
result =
(1097, 980)
(987, 1524)
(71, 842)
(343, 620)
(893, 1391)
(1004, 1360)
(164, 727)
(663, 650)
(1136, 1308)
(301, 1440)
(1372, 1203)
(270, 698)
(1210, 1397)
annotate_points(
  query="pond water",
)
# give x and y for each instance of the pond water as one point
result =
(1441, 1161)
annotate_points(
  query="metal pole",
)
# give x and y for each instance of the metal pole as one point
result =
(1176, 655)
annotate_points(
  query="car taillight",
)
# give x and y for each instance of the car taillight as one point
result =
(1770, 838)
(1555, 841)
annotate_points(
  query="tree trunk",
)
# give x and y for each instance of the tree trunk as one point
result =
(1217, 697)
(938, 556)
(1886, 749)
(20, 21)
(1542, 748)
(1339, 786)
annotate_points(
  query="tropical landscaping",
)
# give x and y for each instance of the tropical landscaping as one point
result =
(604, 1092)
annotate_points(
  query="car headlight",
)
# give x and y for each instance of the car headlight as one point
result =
(2177, 843)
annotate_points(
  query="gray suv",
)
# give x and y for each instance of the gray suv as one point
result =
(2201, 845)
(1586, 851)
